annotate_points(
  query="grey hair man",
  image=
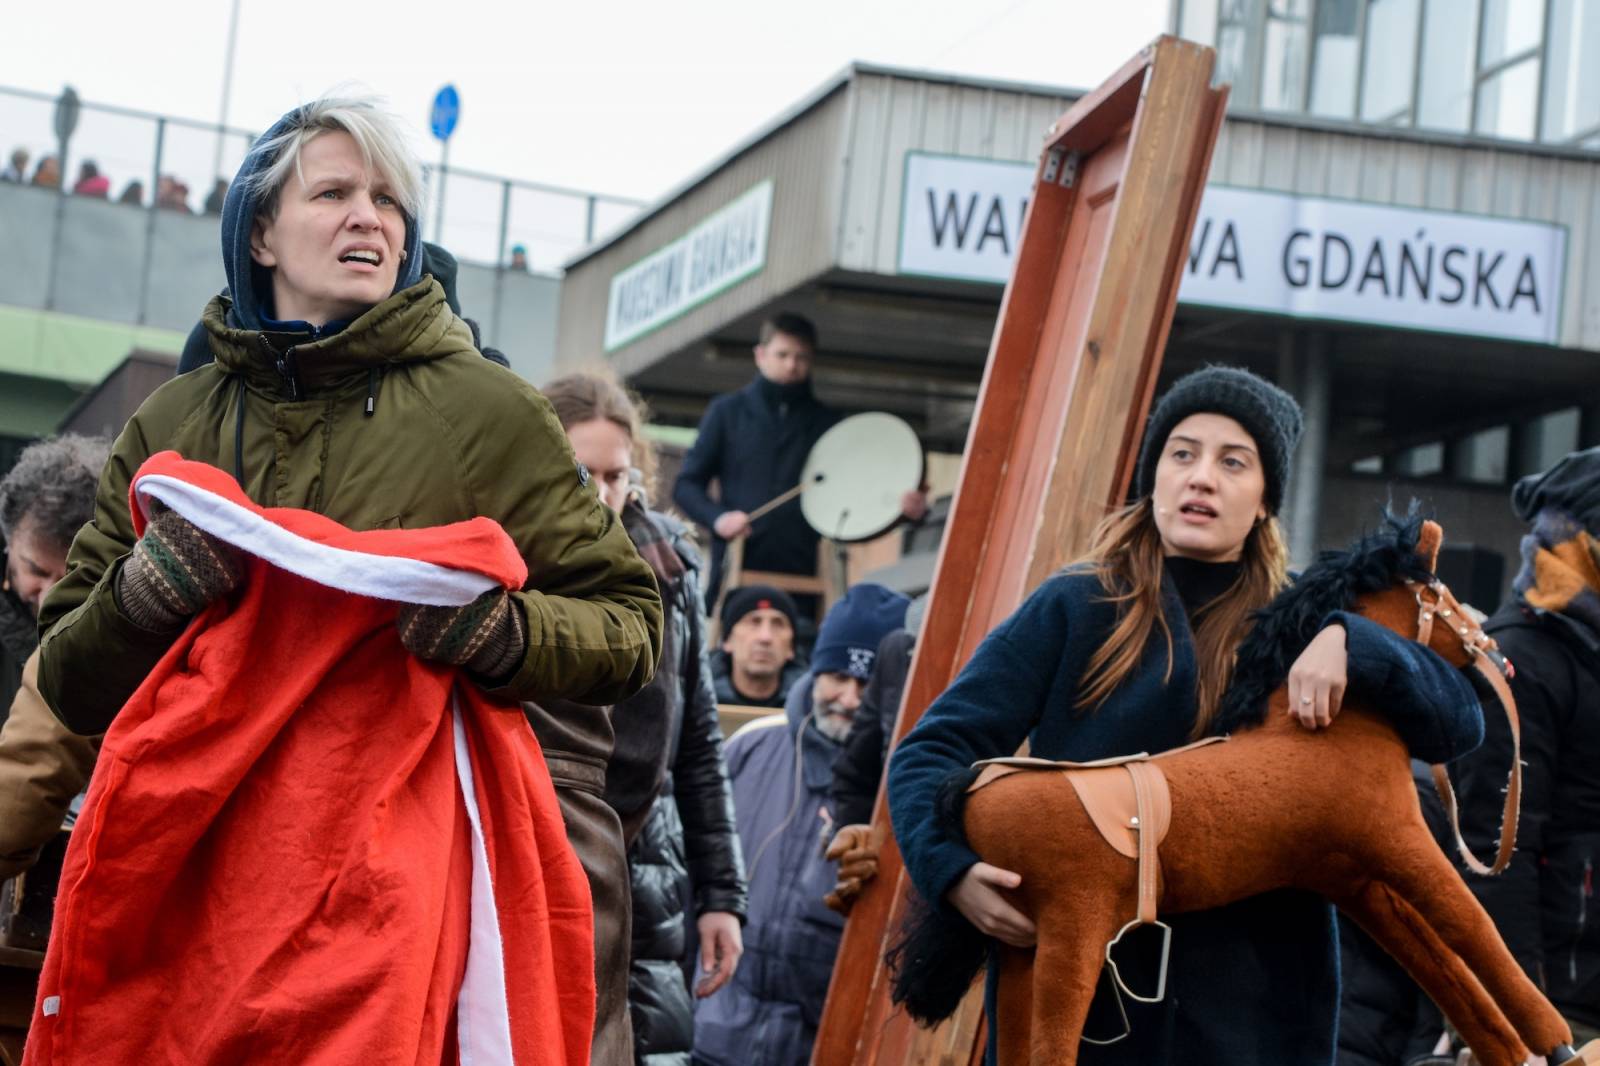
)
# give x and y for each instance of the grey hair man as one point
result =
(46, 496)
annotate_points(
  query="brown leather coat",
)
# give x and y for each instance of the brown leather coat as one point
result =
(43, 765)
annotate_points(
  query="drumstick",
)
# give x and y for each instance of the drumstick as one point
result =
(778, 501)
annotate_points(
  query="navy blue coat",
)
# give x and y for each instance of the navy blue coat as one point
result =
(1252, 984)
(755, 443)
(768, 1014)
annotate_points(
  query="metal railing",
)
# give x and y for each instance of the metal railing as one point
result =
(484, 218)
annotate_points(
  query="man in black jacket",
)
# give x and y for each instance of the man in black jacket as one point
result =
(755, 443)
(1544, 904)
(757, 663)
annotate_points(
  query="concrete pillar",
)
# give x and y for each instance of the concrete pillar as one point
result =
(1523, 450)
(1589, 426)
(1309, 378)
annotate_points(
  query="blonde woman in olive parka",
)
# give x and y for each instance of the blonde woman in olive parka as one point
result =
(343, 384)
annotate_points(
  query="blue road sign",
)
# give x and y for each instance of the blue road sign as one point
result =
(446, 112)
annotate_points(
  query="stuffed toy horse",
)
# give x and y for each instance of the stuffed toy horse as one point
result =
(1214, 810)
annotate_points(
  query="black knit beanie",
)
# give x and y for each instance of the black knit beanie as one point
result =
(1270, 415)
(749, 598)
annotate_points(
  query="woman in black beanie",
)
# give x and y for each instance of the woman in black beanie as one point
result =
(1128, 651)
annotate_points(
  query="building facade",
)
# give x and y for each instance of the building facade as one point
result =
(1431, 296)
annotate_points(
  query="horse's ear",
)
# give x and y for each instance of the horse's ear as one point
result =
(1428, 542)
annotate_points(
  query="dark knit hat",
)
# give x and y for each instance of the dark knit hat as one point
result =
(849, 638)
(1270, 415)
(743, 601)
(1572, 485)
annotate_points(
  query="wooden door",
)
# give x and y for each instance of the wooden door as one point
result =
(1052, 445)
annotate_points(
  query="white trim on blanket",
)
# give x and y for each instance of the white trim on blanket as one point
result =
(382, 577)
(483, 1014)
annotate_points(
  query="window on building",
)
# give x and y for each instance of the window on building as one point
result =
(1508, 101)
(1510, 27)
(1239, 49)
(1483, 457)
(1444, 91)
(1372, 464)
(1514, 69)
(1549, 438)
(1572, 83)
(1425, 460)
(1391, 60)
(1197, 21)
(1283, 64)
(1336, 57)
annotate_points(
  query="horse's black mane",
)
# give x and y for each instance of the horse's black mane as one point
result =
(1286, 625)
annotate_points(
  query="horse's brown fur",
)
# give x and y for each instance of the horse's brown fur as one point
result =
(1334, 812)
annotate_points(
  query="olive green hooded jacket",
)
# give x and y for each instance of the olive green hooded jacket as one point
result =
(394, 422)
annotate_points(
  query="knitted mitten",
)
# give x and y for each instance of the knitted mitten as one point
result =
(486, 636)
(175, 570)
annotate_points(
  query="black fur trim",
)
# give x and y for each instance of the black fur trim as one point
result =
(950, 803)
(933, 964)
(939, 953)
(1333, 583)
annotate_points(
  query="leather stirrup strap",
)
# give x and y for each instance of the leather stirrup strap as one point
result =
(1149, 838)
(1508, 818)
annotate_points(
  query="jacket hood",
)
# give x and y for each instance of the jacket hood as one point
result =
(409, 327)
(820, 751)
(249, 284)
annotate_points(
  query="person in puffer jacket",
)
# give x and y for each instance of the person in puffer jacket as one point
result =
(666, 778)
(342, 383)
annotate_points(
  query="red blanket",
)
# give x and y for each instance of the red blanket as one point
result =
(304, 845)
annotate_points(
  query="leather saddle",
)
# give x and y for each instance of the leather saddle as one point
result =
(1126, 797)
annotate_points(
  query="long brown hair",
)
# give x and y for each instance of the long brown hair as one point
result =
(1127, 558)
(597, 393)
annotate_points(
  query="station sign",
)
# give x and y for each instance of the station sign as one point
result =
(726, 248)
(1275, 253)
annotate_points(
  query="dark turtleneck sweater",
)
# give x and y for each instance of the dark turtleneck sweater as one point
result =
(1199, 582)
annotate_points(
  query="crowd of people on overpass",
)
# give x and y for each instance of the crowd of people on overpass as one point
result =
(345, 408)
(172, 194)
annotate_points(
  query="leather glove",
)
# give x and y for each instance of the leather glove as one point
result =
(486, 636)
(856, 852)
(175, 571)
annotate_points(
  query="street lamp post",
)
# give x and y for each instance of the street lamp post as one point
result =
(227, 87)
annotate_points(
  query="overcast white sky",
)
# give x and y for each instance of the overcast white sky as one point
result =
(627, 97)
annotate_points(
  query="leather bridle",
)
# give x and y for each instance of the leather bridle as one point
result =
(1435, 606)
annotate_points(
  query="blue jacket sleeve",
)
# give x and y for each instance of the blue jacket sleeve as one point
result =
(692, 489)
(1430, 702)
(986, 713)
